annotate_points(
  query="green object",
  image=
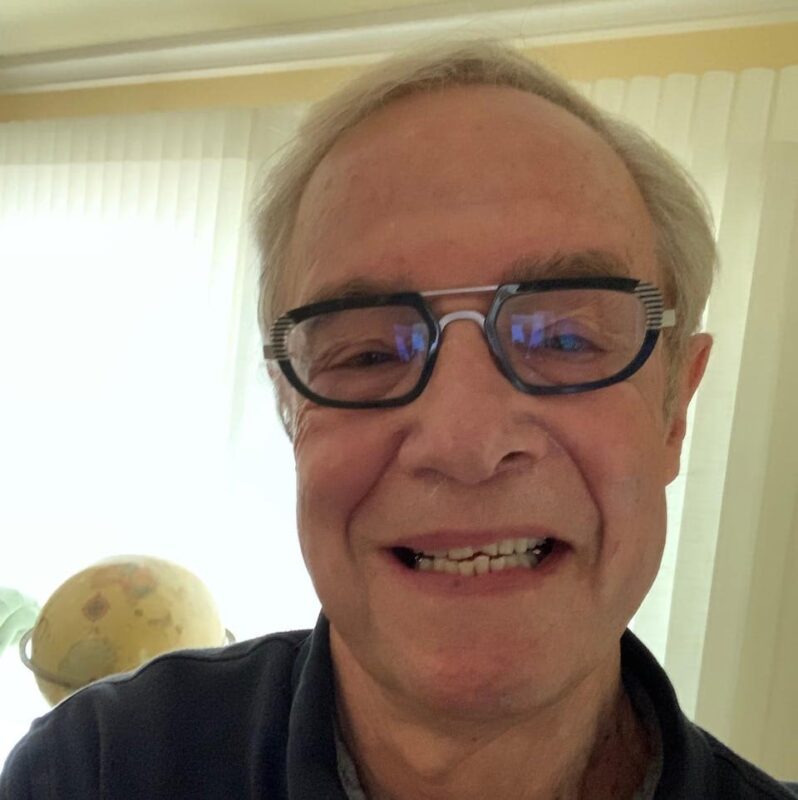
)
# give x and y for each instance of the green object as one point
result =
(17, 615)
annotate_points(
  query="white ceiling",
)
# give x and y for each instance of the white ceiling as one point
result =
(36, 26)
(66, 43)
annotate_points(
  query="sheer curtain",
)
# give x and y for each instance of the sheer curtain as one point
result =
(137, 416)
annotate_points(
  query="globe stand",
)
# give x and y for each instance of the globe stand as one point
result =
(46, 675)
(38, 671)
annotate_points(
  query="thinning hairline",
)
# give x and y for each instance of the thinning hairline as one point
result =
(578, 264)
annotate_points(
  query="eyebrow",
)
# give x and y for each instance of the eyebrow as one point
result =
(580, 264)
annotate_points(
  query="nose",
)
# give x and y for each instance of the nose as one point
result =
(470, 423)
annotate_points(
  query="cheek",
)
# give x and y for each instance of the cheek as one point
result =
(628, 472)
(339, 457)
(625, 478)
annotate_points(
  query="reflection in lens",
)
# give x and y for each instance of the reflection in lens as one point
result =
(570, 337)
(411, 340)
(360, 354)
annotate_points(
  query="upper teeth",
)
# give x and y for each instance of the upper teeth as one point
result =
(506, 547)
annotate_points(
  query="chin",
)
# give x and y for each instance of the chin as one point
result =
(474, 685)
(472, 699)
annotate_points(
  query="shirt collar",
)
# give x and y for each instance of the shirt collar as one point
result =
(312, 768)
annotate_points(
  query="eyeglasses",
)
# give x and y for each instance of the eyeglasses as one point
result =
(548, 337)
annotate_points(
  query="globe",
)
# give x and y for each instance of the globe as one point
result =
(114, 616)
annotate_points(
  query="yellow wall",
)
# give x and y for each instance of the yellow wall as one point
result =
(728, 49)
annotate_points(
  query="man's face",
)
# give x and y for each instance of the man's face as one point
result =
(448, 190)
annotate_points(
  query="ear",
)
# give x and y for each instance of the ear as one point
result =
(690, 374)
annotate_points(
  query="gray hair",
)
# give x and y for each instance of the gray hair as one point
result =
(686, 249)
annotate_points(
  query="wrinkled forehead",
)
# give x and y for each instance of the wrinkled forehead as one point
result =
(484, 175)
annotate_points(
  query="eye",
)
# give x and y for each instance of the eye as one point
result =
(367, 358)
(362, 356)
(561, 338)
(569, 343)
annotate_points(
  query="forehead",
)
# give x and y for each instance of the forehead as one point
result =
(452, 188)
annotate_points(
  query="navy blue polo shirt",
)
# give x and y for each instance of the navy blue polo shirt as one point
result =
(256, 720)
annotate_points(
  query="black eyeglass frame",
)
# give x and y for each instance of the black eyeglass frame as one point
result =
(657, 318)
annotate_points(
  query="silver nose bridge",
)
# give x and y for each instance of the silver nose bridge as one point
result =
(474, 316)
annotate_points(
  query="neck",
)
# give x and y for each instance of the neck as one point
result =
(587, 743)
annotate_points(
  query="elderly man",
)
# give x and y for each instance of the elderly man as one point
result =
(479, 300)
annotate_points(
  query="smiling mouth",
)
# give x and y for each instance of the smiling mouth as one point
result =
(475, 561)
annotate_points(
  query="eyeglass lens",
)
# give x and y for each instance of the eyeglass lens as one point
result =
(551, 338)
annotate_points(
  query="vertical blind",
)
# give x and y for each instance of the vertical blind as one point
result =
(137, 416)
(720, 616)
